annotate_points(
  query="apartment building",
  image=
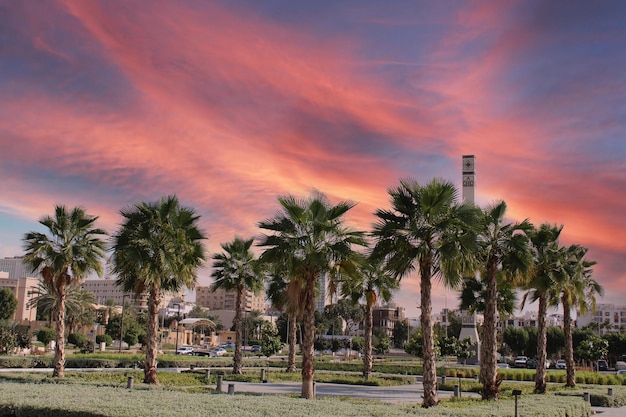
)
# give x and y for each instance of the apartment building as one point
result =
(226, 300)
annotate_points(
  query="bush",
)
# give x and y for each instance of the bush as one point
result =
(46, 335)
(77, 339)
(104, 338)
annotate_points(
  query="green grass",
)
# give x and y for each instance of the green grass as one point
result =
(71, 399)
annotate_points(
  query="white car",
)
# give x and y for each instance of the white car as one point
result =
(184, 350)
(560, 364)
(218, 352)
(503, 365)
(621, 372)
(520, 361)
(619, 365)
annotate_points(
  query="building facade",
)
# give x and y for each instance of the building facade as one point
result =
(386, 317)
(16, 268)
(24, 289)
(107, 289)
(607, 317)
(226, 300)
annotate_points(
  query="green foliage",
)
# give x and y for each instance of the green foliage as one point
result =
(46, 335)
(77, 339)
(400, 333)
(8, 304)
(107, 339)
(8, 340)
(270, 343)
(383, 345)
(592, 349)
(555, 341)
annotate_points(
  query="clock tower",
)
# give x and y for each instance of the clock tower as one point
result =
(468, 178)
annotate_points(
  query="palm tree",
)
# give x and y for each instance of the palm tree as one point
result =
(503, 249)
(237, 270)
(307, 240)
(79, 304)
(577, 290)
(69, 252)
(288, 295)
(157, 249)
(547, 273)
(373, 284)
(428, 230)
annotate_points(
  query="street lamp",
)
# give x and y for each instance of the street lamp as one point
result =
(122, 323)
(177, 324)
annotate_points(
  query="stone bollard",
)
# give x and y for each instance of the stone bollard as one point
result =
(586, 397)
(192, 367)
(367, 376)
(231, 389)
(262, 375)
(313, 389)
(443, 379)
(207, 375)
(130, 382)
(220, 378)
(610, 393)
(457, 391)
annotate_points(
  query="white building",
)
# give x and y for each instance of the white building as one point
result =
(609, 318)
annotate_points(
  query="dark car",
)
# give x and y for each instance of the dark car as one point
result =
(255, 348)
(602, 365)
(531, 364)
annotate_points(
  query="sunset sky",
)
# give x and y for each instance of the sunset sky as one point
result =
(229, 104)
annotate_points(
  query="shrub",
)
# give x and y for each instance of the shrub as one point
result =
(104, 338)
(77, 339)
(46, 335)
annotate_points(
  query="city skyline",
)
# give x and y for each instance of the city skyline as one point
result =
(231, 104)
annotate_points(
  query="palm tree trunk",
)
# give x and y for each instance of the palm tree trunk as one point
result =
(540, 376)
(369, 330)
(237, 360)
(293, 325)
(150, 364)
(307, 343)
(430, 372)
(59, 348)
(569, 345)
(488, 353)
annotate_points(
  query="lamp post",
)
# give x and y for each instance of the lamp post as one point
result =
(119, 350)
(177, 324)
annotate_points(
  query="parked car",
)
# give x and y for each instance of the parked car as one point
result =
(619, 365)
(255, 349)
(560, 364)
(602, 365)
(184, 350)
(621, 372)
(218, 352)
(532, 364)
(520, 361)
(503, 365)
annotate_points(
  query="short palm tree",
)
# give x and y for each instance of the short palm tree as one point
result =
(68, 253)
(157, 249)
(428, 230)
(79, 304)
(547, 273)
(287, 295)
(307, 240)
(372, 284)
(577, 290)
(236, 269)
(503, 252)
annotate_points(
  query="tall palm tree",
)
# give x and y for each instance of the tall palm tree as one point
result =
(547, 273)
(308, 239)
(503, 249)
(236, 269)
(577, 290)
(157, 249)
(288, 295)
(428, 230)
(69, 252)
(372, 284)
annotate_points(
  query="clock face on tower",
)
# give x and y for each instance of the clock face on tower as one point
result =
(468, 165)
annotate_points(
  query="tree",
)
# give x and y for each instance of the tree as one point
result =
(270, 340)
(427, 230)
(592, 349)
(79, 304)
(555, 341)
(288, 295)
(504, 255)
(516, 338)
(236, 269)
(8, 339)
(157, 249)
(463, 349)
(577, 290)
(46, 335)
(307, 239)
(198, 312)
(400, 333)
(545, 277)
(69, 252)
(8, 304)
(383, 345)
(372, 284)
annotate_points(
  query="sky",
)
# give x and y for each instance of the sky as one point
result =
(229, 104)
